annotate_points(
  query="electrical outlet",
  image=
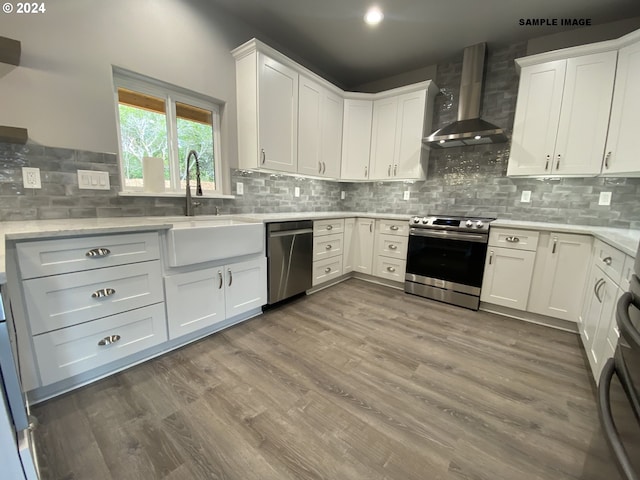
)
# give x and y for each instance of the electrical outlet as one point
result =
(239, 188)
(526, 196)
(407, 194)
(296, 192)
(31, 177)
(343, 195)
(93, 180)
(605, 198)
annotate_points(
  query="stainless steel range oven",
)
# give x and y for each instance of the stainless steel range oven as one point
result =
(445, 258)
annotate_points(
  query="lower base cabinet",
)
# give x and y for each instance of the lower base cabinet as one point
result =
(507, 277)
(200, 299)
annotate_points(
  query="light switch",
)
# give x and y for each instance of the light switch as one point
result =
(93, 180)
(605, 198)
(296, 192)
(343, 195)
(239, 188)
(407, 194)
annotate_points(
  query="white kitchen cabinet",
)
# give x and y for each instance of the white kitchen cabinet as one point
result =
(507, 277)
(623, 141)
(319, 130)
(562, 115)
(267, 101)
(326, 246)
(200, 299)
(362, 245)
(349, 245)
(396, 138)
(328, 249)
(561, 267)
(326, 270)
(356, 139)
(390, 249)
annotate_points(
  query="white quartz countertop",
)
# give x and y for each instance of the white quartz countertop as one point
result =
(625, 240)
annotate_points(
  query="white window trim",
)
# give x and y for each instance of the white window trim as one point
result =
(126, 79)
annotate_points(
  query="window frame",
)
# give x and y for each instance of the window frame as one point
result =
(170, 94)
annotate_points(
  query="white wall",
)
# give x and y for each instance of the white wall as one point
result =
(62, 92)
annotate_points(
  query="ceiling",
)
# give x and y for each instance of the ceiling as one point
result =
(330, 37)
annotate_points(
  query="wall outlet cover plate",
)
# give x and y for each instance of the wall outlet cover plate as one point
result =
(605, 198)
(526, 196)
(31, 177)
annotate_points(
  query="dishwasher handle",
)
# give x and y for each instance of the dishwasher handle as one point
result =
(286, 233)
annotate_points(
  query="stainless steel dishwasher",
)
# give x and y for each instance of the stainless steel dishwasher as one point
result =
(289, 258)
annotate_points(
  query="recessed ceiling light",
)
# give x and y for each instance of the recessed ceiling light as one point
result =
(477, 137)
(441, 141)
(373, 16)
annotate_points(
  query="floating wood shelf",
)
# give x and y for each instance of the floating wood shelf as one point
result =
(13, 135)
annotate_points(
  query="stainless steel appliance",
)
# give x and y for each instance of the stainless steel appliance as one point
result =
(619, 385)
(289, 259)
(17, 457)
(445, 258)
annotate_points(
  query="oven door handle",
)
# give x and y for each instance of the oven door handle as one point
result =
(624, 321)
(468, 237)
(606, 419)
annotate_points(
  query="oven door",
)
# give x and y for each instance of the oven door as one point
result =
(455, 257)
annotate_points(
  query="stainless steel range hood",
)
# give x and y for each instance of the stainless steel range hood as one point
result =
(469, 129)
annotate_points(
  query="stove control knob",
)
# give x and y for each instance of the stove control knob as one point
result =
(415, 219)
(468, 224)
(479, 224)
(425, 220)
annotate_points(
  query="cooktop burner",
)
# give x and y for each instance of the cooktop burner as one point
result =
(445, 222)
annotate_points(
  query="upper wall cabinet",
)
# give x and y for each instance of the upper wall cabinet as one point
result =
(319, 129)
(623, 141)
(356, 139)
(562, 116)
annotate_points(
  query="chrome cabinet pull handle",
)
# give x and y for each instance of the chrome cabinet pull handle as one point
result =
(490, 257)
(394, 227)
(230, 276)
(607, 260)
(389, 171)
(393, 247)
(555, 244)
(512, 239)
(327, 270)
(98, 252)
(319, 167)
(366, 171)
(109, 340)
(103, 292)
(596, 288)
(546, 165)
(606, 160)
(395, 170)
(371, 228)
(219, 280)
(329, 227)
(329, 247)
(391, 269)
(263, 154)
(558, 162)
(324, 168)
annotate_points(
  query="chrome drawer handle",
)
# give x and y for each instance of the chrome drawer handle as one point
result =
(109, 340)
(98, 252)
(329, 227)
(328, 247)
(103, 292)
(393, 227)
(263, 155)
(512, 239)
(391, 269)
(219, 280)
(393, 247)
(230, 276)
(607, 260)
(327, 270)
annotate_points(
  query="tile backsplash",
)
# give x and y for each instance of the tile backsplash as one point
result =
(464, 181)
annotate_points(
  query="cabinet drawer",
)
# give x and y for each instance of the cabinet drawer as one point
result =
(627, 272)
(327, 227)
(391, 268)
(73, 350)
(64, 300)
(393, 227)
(327, 269)
(513, 238)
(609, 259)
(392, 246)
(327, 246)
(64, 255)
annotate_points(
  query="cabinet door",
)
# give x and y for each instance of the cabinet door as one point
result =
(356, 140)
(409, 133)
(331, 151)
(623, 142)
(507, 277)
(559, 277)
(277, 115)
(599, 320)
(383, 138)
(349, 245)
(363, 251)
(309, 127)
(536, 119)
(195, 300)
(246, 286)
(584, 119)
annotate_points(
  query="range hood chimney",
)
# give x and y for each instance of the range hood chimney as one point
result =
(469, 129)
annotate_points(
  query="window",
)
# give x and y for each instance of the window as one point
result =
(162, 121)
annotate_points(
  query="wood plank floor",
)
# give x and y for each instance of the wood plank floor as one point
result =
(357, 381)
